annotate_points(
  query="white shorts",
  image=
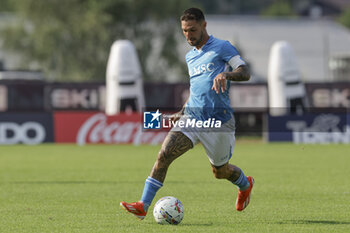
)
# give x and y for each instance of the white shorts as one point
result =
(218, 145)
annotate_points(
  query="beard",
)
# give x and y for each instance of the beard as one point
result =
(198, 41)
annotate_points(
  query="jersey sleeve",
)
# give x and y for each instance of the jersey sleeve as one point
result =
(231, 55)
(228, 51)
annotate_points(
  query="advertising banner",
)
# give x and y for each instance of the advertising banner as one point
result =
(249, 98)
(329, 95)
(3, 98)
(245, 97)
(75, 97)
(310, 128)
(96, 127)
(26, 128)
(22, 96)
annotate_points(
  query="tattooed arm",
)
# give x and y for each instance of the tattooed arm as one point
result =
(241, 73)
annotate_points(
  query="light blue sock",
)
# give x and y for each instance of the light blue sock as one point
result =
(149, 191)
(242, 182)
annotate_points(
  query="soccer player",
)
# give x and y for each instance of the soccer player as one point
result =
(212, 64)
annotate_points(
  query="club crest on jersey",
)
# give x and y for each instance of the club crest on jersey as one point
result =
(201, 69)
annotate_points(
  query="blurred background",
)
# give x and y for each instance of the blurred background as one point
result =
(54, 58)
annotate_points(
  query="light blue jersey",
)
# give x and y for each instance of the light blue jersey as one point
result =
(203, 66)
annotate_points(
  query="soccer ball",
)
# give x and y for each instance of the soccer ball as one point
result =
(168, 210)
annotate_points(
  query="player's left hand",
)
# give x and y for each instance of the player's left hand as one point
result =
(219, 83)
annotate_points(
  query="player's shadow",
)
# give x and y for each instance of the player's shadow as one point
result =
(324, 222)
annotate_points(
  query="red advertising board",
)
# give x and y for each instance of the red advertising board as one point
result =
(96, 127)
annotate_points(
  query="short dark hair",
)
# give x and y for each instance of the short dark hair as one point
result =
(192, 14)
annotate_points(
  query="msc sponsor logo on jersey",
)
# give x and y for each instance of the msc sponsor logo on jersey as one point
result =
(201, 69)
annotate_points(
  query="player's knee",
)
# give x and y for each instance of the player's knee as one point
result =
(219, 173)
(163, 158)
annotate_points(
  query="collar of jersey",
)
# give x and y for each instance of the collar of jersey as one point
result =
(210, 40)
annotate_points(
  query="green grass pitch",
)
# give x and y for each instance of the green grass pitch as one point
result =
(69, 188)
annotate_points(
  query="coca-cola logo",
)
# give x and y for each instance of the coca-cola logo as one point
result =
(97, 129)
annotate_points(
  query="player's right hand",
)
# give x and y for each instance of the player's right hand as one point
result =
(219, 83)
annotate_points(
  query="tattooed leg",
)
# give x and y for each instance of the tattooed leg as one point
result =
(174, 145)
(226, 171)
